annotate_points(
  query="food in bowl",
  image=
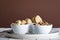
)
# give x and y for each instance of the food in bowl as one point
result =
(41, 26)
(20, 27)
(28, 20)
(37, 19)
(37, 26)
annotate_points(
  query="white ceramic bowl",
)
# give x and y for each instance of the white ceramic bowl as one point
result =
(32, 29)
(20, 29)
(43, 29)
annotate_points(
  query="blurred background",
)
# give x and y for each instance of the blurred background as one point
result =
(12, 10)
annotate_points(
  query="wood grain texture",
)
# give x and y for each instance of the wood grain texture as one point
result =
(12, 10)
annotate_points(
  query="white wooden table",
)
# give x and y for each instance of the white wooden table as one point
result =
(3, 38)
